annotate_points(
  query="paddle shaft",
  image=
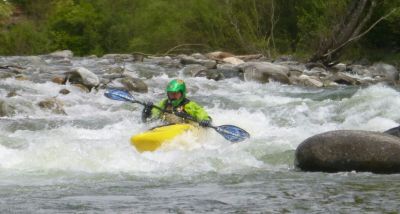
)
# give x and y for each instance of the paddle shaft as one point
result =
(229, 132)
(186, 116)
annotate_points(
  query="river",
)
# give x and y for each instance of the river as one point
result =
(82, 162)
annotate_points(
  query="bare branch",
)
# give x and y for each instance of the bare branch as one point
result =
(182, 45)
(360, 35)
(366, 19)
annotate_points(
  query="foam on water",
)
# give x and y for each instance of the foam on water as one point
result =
(94, 135)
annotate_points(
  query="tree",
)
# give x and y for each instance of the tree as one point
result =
(73, 25)
(5, 10)
(354, 24)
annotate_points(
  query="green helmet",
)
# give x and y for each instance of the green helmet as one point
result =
(177, 85)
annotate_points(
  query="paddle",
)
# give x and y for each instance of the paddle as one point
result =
(230, 132)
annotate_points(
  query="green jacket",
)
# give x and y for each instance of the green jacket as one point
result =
(190, 107)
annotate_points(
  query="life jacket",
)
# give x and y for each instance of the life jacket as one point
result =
(172, 118)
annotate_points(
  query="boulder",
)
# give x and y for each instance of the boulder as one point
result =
(310, 81)
(81, 75)
(130, 84)
(6, 110)
(344, 79)
(393, 131)
(263, 72)
(218, 55)
(349, 150)
(58, 80)
(119, 58)
(62, 54)
(194, 70)
(229, 71)
(233, 60)
(53, 104)
(187, 60)
(388, 72)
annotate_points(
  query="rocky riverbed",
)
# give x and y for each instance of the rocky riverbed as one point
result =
(130, 72)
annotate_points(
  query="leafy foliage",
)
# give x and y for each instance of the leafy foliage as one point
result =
(5, 10)
(270, 27)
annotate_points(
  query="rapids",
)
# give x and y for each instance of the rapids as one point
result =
(82, 161)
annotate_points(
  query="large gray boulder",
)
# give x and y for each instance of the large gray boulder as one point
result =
(83, 76)
(130, 84)
(388, 72)
(348, 150)
(263, 72)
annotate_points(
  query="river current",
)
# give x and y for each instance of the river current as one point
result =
(82, 162)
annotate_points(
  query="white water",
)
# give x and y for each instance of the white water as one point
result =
(91, 142)
(94, 135)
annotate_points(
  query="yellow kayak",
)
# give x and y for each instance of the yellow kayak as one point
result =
(154, 138)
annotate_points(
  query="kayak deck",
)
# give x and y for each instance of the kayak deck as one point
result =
(154, 138)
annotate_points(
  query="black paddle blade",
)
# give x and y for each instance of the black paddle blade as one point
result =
(232, 133)
(120, 95)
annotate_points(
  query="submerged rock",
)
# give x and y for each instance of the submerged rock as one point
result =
(348, 150)
(56, 106)
(6, 110)
(130, 84)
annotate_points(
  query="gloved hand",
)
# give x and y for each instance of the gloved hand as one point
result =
(146, 113)
(148, 105)
(205, 123)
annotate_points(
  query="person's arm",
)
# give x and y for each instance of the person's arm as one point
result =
(150, 113)
(198, 113)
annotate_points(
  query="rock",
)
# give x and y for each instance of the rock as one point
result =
(64, 91)
(119, 58)
(53, 104)
(218, 55)
(293, 66)
(81, 75)
(263, 72)
(62, 54)
(81, 87)
(230, 71)
(165, 61)
(389, 72)
(284, 58)
(359, 70)
(393, 131)
(187, 60)
(340, 67)
(349, 150)
(134, 84)
(137, 57)
(6, 110)
(21, 78)
(130, 84)
(5, 75)
(316, 71)
(198, 56)
(342, 78)
(310, 81)
(115, 70)
(12, 93)
(233, 60)
(58, 80)
(194, 70)
(214, 74)
(252, 57)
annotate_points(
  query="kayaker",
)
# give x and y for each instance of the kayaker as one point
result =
(180, 106)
